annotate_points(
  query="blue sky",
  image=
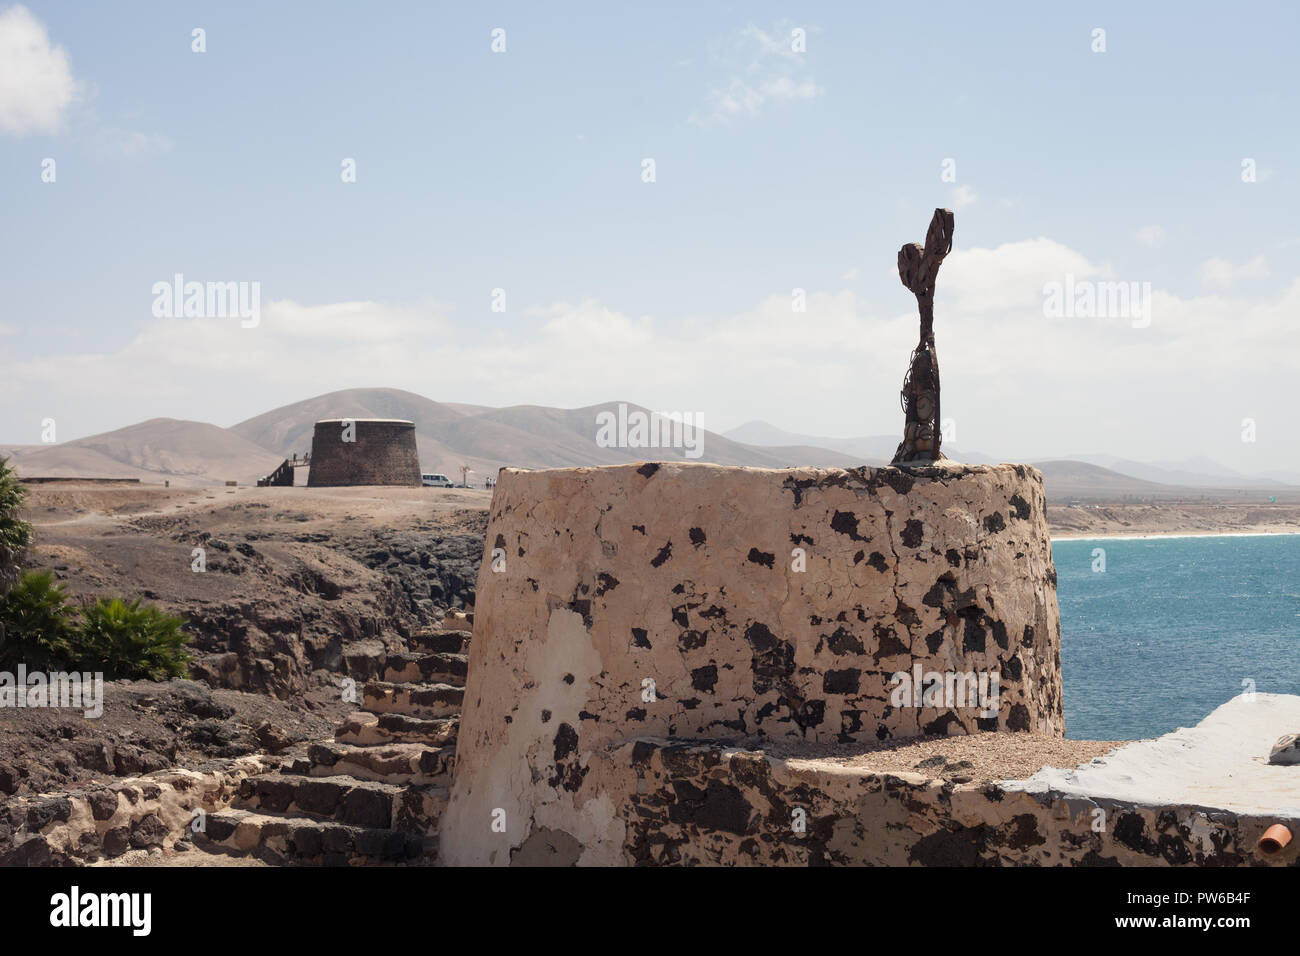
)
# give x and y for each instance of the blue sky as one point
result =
(775, 170)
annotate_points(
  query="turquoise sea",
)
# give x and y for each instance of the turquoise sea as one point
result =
(1172, 627)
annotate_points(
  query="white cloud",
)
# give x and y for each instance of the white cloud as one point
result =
(764, 69)
(1222, 274)
(1152, 236)
(1011, 276)
(962, 196)
(350, 322)
(1016, 382)
(36, 82)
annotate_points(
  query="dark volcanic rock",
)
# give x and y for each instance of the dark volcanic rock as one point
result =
(148, 831)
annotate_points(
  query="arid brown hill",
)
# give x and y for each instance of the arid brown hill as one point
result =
(450, 435)
(159, 449)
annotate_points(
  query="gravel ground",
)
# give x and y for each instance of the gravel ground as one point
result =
(148, 726)
(189, 857)
(978, 757)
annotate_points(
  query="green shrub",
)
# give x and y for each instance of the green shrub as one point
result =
(40, 629)
(15, 534)
(127, 641)
(37, 625)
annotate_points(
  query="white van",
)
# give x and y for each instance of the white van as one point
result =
(436, 481)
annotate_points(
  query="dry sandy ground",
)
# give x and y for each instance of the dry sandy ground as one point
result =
(191, 856)
(1117, 520)
(58, 505)
(978, 757)
(265, 547)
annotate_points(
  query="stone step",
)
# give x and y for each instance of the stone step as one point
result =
(366, 729)
(388, 763)
(419, 667)
(419, 809)
(441, 640)
(301, 840)
(345, 799)
(414, 700)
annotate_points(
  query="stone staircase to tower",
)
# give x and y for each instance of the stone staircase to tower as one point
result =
(374, 794)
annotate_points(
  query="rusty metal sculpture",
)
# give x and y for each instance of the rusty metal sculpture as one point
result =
(918, 268)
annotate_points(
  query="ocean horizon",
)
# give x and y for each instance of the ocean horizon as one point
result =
(1158, 631)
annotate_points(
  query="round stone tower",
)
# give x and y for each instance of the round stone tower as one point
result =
(686, 602)
(364, 451)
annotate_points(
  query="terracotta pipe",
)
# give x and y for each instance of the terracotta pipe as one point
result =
(1274, 840)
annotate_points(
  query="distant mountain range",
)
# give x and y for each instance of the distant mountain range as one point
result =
(1199, 472)
(532, 436)
(524, 436)
(154, 450)
(447, 435)
(868, 449)
(1143, 478)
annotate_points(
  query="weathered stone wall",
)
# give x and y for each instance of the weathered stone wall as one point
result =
(678, 803)
(383, 453)
(96, 823)
(693, 601)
